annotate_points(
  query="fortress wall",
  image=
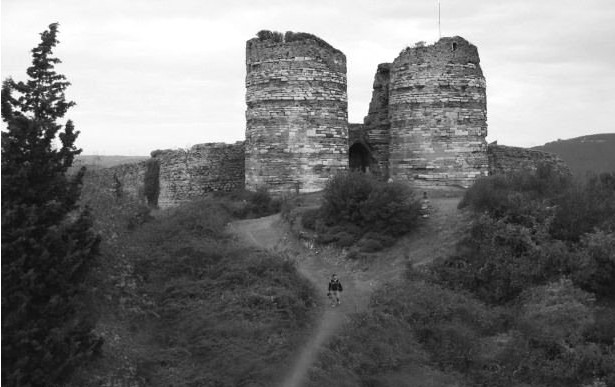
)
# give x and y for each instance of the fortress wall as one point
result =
(190, 174)
(509, 159)
(438, 115)
(297, 114)
(125, 178)
(377, 125)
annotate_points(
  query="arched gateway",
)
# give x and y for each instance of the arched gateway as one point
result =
(359, 157)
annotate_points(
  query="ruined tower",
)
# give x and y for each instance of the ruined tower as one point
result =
(376, 125)
(437, 111)
(297, 112)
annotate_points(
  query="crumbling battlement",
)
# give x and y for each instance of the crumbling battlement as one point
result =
(190, 174)
(297, 113)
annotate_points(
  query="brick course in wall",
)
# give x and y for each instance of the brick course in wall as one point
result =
(438, 115)
(190, 174)
(297, 114)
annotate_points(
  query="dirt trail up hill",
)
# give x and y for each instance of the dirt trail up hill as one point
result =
(436, 237)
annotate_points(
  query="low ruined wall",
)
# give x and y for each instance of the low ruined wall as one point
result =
(123, 179)
(190, 174)
(508, 159)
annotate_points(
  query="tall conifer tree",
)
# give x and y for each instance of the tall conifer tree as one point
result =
(48, 245)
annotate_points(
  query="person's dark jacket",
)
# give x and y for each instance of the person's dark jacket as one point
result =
(335, 285)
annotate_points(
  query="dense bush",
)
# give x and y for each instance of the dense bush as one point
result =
(571, 208)
(584, 207)
(500, 195)
(553, 320)
(498, 260)
(358, 207)
(249, 204)
(596, 264)
(531, 230)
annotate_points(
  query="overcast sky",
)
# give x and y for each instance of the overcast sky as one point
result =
(157, 74)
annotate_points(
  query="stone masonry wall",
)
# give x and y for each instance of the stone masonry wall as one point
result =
(130, 177)
(377, 124)
(509, 159)
(190, 174)
(297, 114)
(438, 115)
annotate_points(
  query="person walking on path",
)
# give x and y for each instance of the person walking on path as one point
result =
(335, 290)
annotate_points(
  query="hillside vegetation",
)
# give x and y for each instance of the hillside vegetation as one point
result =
(594, 153)
(183, 303)
(527, 299)
(100, 161)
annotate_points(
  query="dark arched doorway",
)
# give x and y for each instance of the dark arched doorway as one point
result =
(358, 157)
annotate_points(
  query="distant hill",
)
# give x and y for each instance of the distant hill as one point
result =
(594, 153)
(106, 161)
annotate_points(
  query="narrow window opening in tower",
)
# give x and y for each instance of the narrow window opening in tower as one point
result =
(358, 158)
(454, 46)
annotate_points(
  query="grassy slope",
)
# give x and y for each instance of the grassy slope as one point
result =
(356, 344)
(594, 153)
(182, 303)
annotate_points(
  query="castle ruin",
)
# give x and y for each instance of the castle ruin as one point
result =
(426, 124)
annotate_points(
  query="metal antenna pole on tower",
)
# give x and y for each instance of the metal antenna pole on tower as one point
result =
(439, 29)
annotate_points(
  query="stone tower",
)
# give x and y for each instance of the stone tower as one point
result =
(438, 115)
(297, 112)
(376, 123)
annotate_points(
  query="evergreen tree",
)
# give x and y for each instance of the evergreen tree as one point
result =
(48, 245)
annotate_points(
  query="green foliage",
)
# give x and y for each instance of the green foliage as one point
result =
(500, 195)
(553, 320)
(531, 231)
(270, 35)
(538, 246)
(358, 204)
(498, 260)
(151, 182)
(48, 247)
(585, 207)
(556, 313)
(411, 329)
(250, 204)
(572, 209)
(596, 271)
(193, 305)
(227, 314)
(290, 36)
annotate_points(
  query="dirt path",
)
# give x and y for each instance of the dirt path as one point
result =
(436, 237)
